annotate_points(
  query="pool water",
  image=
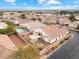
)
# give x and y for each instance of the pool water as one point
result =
(19, 30)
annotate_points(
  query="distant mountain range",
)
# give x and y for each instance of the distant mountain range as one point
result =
(70, 10)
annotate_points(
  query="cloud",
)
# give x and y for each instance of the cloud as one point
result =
(25, 4)
(13, 3)
(53, 2)
(41, 1)
(49, 1)
(10, 1)
(76, 2)
(54, 7)
(60, 7)
(72, 7)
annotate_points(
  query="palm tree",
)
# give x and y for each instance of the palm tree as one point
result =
(26, 52)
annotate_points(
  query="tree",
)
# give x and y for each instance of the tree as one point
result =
(22, 16)
(72, 18)
(33, 19)
(26, 52)
(10, 23)
(9, 30)
(11, 27)
(1, 13)
(39, 19)
(3, 31)
(63, 12)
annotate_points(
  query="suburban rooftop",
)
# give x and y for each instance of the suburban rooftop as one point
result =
(7, 43)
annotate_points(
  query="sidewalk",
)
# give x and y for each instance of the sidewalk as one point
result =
(73, 29)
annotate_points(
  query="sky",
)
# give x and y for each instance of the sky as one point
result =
(39, 4)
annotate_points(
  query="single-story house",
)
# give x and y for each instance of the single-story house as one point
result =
(7, 47)
(49, 34)
(74, 24)
(64, 21)
(3, 25)
(32, 25)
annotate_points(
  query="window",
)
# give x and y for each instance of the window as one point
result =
(40, 34)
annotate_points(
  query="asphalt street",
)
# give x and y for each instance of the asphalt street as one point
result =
(70, 50)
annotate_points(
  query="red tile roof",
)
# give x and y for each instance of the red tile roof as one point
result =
(16, 40)
(54, 31)
(7, 43)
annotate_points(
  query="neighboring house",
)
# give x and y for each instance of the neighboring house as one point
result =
(16, 14)
(7, 47)
(77, 17)
(50, 19)
(64, 21)
(3, 25)
(74, 24)
(6, 15)
(16, 22)
(0, 17)
(32, 25)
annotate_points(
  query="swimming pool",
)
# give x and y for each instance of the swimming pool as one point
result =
(20, 30)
